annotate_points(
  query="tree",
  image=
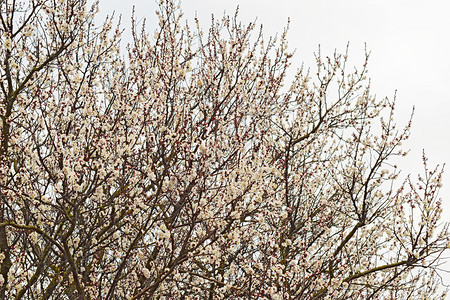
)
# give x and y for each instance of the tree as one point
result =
(187, 171)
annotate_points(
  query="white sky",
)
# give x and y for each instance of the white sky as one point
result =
(409, 43)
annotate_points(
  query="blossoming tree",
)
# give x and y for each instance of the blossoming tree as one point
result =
(187, 170)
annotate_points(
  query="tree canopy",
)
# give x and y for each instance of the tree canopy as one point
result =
(189, 168)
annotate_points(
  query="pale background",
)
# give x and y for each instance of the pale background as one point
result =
(409, 43)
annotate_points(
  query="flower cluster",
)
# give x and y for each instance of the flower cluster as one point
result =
(188, 170)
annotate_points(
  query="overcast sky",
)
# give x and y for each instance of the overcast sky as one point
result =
(409, 43)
